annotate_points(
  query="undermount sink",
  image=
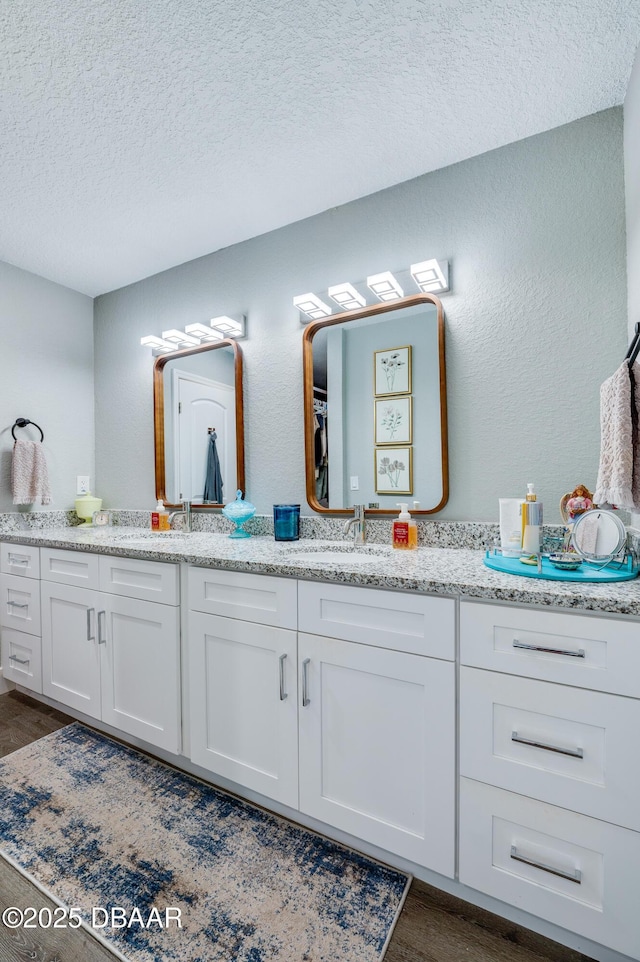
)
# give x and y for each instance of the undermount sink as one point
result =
(337, 554)
(147, 535)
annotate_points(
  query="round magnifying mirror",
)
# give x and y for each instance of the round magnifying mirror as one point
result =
(598, 536)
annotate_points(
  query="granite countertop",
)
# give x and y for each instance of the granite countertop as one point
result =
(442, 571)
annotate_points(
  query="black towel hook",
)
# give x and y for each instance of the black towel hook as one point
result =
(634, 347)
(22, 423)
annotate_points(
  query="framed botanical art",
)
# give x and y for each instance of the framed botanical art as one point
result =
(394, 470)
(392, 371)
(393, 420)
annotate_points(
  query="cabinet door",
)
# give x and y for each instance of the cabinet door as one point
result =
(243, 699)
(70, 657)
(377, 747)
(139, 644)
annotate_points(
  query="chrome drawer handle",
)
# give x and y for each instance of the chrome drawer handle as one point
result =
(15, 560)
(571, 877)
(573, 752)
(102, 638)
(305, 683)
(283, 693)
(91, 636)
(21, 661)
(16, 604)
(580, 653)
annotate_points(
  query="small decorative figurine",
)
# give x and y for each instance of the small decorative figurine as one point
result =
(576, 502)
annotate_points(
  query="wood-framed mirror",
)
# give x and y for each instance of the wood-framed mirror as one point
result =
(375, 408)
(198, 404)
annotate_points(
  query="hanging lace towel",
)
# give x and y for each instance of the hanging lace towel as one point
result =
(618, 483)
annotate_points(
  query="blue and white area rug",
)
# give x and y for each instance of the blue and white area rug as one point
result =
(122, 839)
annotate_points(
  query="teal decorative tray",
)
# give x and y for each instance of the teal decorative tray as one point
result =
(614, 571)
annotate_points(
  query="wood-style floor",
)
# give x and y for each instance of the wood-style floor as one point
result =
(433, 926)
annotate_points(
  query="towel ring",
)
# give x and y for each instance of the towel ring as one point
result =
(22, 423)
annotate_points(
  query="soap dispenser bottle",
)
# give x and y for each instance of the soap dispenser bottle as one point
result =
(404, 530)
(531, 510)
(160, 518)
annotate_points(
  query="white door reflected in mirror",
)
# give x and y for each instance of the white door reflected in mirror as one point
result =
(201, 406)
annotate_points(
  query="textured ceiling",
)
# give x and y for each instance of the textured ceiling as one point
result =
(138, 134)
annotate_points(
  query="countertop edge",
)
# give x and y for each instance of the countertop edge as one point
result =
(487, 585)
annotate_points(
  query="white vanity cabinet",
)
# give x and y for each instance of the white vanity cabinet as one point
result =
(549, 788)
(243, 680)
(20, 628)
(343, 702)
(107, 651)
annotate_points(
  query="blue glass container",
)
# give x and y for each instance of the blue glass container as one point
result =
(239, 511)
(286, 522)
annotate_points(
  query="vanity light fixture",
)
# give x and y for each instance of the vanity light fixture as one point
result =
(226, 326)
(385, 286)
(159, 346)
(178, 338)
(218, 329)
(203, 333)
(347, 297)
(312, 306)
(430, 276)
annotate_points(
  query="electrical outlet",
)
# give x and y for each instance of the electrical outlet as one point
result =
(82, 484)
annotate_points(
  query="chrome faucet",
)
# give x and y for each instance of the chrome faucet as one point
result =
(185, 513)
(358, 524)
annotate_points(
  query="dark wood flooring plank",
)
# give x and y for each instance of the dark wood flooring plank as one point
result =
(436, 927)
(23, 720)
(41, 944)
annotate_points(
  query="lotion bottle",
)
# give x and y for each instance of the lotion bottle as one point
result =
(160, 518)
(404, 530)
(531, 510)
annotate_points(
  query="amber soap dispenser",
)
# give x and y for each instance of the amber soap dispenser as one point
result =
(404, 530)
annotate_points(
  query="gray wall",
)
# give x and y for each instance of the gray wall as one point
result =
(536, 236)
(632, 199)
(46, 375)
(632, 190)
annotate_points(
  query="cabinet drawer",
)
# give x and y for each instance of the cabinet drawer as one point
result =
(20, 603)
(567, 746)
(69, 567)
(569, 869)
(134, 578)
(397, 620)
(587, 652)
(20, 559)
(234, 594)
(22, 659)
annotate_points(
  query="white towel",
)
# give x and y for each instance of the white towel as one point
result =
(29, 475)
(619, 471)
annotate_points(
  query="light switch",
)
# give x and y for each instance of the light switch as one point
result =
(355, 483)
